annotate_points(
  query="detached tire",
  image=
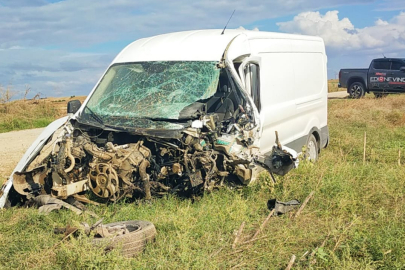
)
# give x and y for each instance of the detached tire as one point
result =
(357, 90)
(132, 243)
(312, 149)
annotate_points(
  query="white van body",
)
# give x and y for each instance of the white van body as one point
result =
(143, 127)
(292, 79)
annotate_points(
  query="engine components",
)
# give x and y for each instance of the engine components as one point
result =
(104, 181)
(114, 165)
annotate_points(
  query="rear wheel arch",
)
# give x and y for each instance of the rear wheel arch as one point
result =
(352, 80)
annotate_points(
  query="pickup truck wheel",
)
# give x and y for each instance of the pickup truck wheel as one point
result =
(356, 90)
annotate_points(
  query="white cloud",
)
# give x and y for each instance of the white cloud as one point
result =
(380, 22)
(243, 28)
(348, 46)
(341, 34)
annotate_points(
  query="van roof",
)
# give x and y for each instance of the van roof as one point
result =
(197, 45)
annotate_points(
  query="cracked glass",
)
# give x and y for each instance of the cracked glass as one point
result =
(129, 93)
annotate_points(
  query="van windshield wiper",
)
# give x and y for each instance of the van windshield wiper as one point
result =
(95, 116)
(148, 118)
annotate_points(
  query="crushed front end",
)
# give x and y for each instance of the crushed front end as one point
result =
(150, 129)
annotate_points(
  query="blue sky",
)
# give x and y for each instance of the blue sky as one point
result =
(61, 48)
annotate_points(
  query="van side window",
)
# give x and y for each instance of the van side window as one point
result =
(382, 64)
(252, 72)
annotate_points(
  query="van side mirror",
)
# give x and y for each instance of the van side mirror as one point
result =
(402, 69)
(73, 106)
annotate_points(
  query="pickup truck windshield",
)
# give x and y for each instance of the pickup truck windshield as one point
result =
(133, 92)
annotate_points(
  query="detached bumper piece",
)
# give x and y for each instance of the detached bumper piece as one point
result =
(281, 208)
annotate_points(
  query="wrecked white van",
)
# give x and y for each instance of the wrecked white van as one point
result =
(183, 113)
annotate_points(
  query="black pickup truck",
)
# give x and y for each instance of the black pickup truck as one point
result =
(384, 76)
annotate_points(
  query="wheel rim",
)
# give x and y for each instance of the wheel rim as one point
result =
(312, 150)
(356, 91)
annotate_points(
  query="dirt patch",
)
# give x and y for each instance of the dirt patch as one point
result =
(13, 146)
(338, 95)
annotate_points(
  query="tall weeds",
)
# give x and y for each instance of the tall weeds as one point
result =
(25, 114)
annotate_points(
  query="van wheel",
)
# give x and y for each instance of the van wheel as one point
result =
(356, 90)
(312, 149)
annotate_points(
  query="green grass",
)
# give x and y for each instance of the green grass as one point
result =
(355, 219)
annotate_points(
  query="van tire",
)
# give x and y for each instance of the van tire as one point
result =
(132, 243)
(312, 152)
(357, 90)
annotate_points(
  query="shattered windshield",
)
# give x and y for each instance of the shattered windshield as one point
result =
(153, 90)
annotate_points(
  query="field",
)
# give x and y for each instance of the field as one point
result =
(355, 219)
(333, 86)
(27, 114)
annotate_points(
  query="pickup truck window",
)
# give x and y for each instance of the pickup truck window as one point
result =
(382, 64)
(396, 65)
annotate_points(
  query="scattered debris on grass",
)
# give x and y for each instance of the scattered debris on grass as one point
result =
(238, 234)
(282, 207)
(291, 262)
(263, 225)
(130, 236)
(48, 204)
(304, 204)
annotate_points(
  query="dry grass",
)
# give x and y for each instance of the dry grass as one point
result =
(27, 114)
(333, 86)
(388, 111)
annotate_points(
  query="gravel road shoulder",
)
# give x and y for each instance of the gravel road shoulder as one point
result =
(338, 95)
(13, 146)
